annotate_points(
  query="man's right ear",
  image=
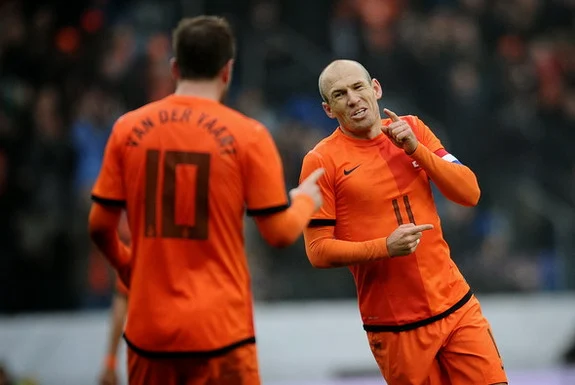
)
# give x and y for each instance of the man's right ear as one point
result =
(327, 109)
(226, 72)
(174, 69)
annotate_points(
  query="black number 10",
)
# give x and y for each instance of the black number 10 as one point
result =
(397, 211)
(167, 200)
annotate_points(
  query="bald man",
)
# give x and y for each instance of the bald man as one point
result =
(378, 218)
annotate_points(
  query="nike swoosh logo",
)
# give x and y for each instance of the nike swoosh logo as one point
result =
(347, 172)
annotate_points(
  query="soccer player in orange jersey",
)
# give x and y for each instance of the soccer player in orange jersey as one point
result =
(423, 323)
(186, 168)
(108, 375)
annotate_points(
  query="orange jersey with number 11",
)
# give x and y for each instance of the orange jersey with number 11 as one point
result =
(370, 187)
(186, 168)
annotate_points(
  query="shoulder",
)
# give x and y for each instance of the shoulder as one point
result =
(324, 155)
(235, 118)
(125, 122)
(245, 130)
(324, 149)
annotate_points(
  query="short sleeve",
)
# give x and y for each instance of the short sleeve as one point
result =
(425, 135)
(121, 288)
(109, 187)
(265, 191)
(325, 216)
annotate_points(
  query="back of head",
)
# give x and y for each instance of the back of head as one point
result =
(202, 46)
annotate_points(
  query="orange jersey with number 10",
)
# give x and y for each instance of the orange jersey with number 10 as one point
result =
(370, 187)
(186, 168)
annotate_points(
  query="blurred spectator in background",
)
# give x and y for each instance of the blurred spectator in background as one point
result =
(97, 110)
(92, 124)
(496, 81)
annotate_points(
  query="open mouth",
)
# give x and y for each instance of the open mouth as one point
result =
(359, 113)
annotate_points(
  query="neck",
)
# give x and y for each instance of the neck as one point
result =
(209, 89)
(372, 133)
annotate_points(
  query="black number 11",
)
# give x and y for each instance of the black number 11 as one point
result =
(397, 210)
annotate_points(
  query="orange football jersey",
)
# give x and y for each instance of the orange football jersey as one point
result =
(186, 169)
(370, 188)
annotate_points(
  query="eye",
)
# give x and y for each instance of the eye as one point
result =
(359, 86)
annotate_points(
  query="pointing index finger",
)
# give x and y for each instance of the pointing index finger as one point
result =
(314, 176)
(391, 114)
(420, 228)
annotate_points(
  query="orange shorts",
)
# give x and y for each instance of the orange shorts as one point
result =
(237, 367)
(456, 350)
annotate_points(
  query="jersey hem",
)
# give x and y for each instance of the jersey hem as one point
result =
(189, 354)
(424, 322)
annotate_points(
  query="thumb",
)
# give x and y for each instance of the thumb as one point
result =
(391, 114)
(314, 176)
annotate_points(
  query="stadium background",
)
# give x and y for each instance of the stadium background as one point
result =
(495, 79)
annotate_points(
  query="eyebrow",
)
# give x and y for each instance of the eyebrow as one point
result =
(358, 83)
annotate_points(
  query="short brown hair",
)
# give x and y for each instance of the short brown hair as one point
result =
(202, 46)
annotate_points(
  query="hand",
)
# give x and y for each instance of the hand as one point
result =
(400, 133)
(405, 239)
(108, 377)
(310, 188)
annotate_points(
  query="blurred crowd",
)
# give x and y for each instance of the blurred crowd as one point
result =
(495, 80)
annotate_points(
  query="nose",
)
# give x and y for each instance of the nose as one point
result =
(353, 98)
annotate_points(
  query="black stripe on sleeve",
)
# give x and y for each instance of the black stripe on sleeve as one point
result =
(108, 202)
(267, 210)
(321, 222)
